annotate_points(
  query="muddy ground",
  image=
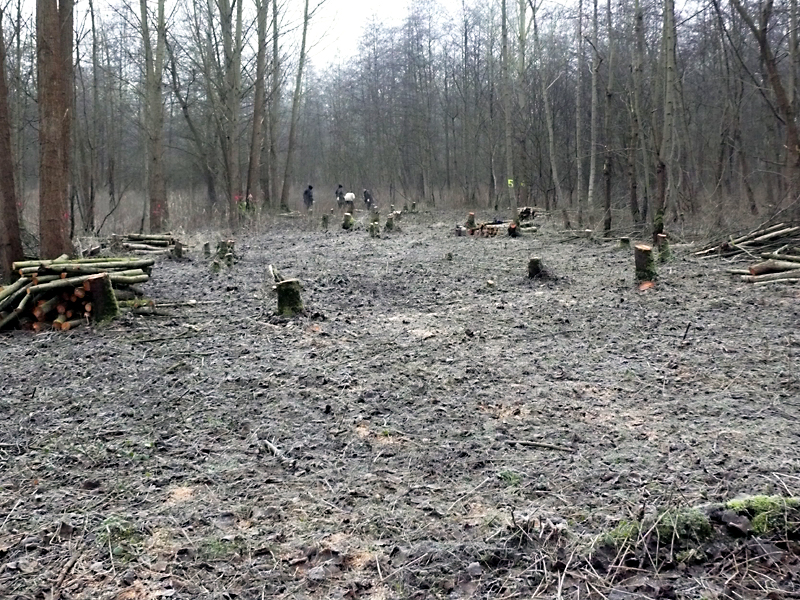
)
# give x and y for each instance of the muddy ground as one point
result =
(434, 427)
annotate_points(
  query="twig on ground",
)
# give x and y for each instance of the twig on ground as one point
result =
(543, 445)
(55, 591)
(404, 567)
(468, 494)
(8, 516)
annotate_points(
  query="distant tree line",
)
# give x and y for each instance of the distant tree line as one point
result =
(598, 111)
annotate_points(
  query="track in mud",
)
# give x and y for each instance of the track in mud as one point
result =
(431, 428)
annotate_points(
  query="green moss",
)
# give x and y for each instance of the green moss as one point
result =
(769, 514)
(624, 533)
(684, 524)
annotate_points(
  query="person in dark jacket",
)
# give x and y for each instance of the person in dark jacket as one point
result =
(340, 196)
(308, 197)
(368, 199)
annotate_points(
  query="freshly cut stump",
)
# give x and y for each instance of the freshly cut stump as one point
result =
(104, 301)
(470, 224)
(664, 252)
(513, 230)
(289, 300)
(348, 221)
(643, 260)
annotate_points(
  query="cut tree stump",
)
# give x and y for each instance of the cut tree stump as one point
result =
(470, 224)
(664, 252)
(374, 230)
(389, 225)
(643, 260)
(104, 301)
(289, 300)
(348, 221)
(535, 268)
(513, 230)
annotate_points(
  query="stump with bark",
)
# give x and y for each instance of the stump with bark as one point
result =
(389, 224)
(470, 224)
(290, 302)
(513, 230)
(535, 267)
(347, 221)
(374, 230)
(325, 222)
(664, 252)
(644, 263)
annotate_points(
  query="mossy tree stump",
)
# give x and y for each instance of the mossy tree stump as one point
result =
(389, 225)
(374, 230)
(644, 263)
(375, 216)
(535, 267)
(325, 222)
(470, 224)
(348, 221)
(225, 247)
(664, 252)
(104, 301)
(207, 249)
(513, 230)
(290, 301)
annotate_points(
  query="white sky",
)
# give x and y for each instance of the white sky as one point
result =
(338, 25)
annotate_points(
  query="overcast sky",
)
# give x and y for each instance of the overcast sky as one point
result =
(338, 25)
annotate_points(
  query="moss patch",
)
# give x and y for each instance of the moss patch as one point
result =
(684, 524)
(769, 514)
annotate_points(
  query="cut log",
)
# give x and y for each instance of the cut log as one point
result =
(59, 283)
(12, 290)
(644, 263)
(289, 300)
(40, 312)
(773, 266)
(773, 235)
(73, 324)
(153, 237)
(787, 280)
(771, 276)
(787, 257)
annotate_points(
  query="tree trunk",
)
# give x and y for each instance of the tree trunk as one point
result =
(274, 108)
(257, 140)
(10, 240)
(579, 115)
(506, 96)
(154, 118)
(593, 116)
(607, 121)
(298, 92)
(54, 77)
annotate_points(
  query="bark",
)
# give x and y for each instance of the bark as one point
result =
(664, 169)
(54, 77)
(579, 115)
(607, 121)
(10, 239)
(154, 117)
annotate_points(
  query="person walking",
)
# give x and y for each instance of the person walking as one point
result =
(308, 198)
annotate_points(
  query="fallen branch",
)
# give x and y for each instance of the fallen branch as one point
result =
(543, 445)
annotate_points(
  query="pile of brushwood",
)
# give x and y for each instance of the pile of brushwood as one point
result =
(152, 244)
(64, 293)
(771, 240)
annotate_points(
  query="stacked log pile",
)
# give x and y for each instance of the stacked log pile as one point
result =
(774, 239)
(152, 244)
(776, 268)
(62, 294)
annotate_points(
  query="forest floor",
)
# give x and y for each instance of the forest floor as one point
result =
(436, 426)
